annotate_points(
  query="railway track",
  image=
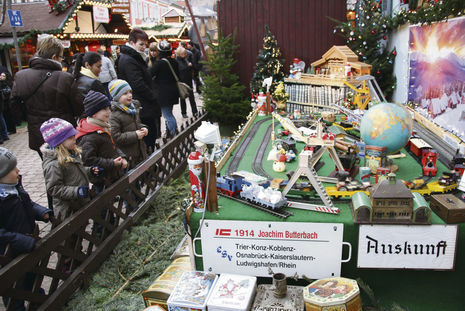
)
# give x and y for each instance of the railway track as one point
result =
(257, 165)
(445, 151)
(281, 213)
(236, 158)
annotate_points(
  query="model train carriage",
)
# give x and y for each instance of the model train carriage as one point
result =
(268, 197)
(417, 145)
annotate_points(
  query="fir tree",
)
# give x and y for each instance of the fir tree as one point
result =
(268, 64)
(223, 95)
(368, 40)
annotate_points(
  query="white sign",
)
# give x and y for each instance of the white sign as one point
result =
(66, 43)
(407, 247)
(101, 14)
(252, 247)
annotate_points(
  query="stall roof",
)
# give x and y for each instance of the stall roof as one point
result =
(174, 13)
(36, 16)
(174, 31)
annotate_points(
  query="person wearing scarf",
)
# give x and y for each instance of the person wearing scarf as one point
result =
(87, 69)
(126, 127)
(97, 144)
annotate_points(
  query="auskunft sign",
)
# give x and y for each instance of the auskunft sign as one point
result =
(407, 247)
(254, 247)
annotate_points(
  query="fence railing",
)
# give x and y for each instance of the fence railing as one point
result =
(65, 258)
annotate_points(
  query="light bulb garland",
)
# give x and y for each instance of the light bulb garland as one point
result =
(366, 33)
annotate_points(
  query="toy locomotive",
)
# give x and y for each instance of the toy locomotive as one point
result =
(259, 194)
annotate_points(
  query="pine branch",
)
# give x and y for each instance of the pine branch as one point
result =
(140, 268)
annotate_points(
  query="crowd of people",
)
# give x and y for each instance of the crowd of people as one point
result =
(89, 127)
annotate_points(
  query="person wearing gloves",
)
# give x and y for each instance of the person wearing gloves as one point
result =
(94, 137)
(126, 127)
(66, 178)
(18, 214)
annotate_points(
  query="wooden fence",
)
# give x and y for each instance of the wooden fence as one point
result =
(80, 248)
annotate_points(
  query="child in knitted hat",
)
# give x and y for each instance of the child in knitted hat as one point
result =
(18, 215)
(94, 137)
(66, 178)
(126, 127)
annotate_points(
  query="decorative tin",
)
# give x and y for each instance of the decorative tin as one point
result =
(266, 301)
(192, 291)
(232, 292)
(154, 308)
(335, 294)
(364, 174)
(160, 290)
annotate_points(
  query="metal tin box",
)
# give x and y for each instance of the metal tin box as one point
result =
(335, 294)
(266, 301)
(159, 292)
(232, 292)
(192, 291)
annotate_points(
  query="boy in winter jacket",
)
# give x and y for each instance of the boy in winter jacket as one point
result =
(66, 178)
(17, 216)
(125, 124)
(98, 147)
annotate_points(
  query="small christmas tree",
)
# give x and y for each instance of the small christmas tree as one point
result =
(223, 95)
(268, 64)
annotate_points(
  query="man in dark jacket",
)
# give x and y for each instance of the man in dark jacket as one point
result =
(56, 97)
(132, 67)
(17, 217)
(196, 63)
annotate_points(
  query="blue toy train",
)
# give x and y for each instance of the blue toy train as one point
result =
(259, 194)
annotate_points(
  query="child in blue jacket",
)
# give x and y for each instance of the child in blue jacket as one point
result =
(18, 214)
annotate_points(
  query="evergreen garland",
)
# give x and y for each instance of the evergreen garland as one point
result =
(368, 35)
(158, 27)
(269, 64)
(223, 95)
(31, 34)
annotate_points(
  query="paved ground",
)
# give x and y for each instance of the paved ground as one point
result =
(30, 166)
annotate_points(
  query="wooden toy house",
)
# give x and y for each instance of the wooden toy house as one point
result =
(338, 60)
(392, 201)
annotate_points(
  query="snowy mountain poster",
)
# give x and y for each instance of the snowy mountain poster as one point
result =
(437, 73)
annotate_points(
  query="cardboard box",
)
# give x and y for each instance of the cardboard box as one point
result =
(192, 291)
(335, 294)
(447, 206)
(232, 292)
(159, 292)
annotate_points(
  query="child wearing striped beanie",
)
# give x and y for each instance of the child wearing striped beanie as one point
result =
(126, 127)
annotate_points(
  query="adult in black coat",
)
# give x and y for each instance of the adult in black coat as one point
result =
(86, 71)
(132, 67)
(185, 75)
(196, 63)
(168, 93)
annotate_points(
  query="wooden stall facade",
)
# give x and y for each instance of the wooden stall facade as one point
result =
(301, 27)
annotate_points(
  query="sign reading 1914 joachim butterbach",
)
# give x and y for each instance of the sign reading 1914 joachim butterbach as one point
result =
(407, 247)
(254, 247)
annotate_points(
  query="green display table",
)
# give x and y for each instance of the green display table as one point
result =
(410, 289)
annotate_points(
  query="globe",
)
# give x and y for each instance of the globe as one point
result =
(386, 125)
